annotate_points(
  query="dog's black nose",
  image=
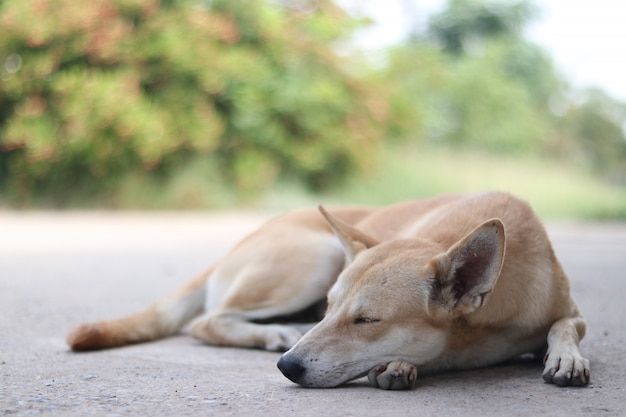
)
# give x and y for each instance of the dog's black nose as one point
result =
(291, 368)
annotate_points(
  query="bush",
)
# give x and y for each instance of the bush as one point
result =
(94, 91)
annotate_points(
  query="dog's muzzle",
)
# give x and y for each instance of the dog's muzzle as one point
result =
(292, 368)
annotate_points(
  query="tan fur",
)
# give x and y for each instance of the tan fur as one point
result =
(451, 282)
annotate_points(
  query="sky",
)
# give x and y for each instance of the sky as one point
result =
(585, 37)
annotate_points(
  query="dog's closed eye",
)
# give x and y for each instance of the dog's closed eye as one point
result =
(363, 320)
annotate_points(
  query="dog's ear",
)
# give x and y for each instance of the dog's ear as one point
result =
(467, 272)
(351, 238)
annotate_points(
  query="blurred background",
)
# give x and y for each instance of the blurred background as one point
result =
(272, 104)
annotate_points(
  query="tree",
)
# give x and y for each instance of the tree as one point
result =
(478, 82)
(465, 24)
(597, 126)
(486, 86)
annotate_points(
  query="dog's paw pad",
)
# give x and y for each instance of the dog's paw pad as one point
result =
(566, 370)
(397, 375)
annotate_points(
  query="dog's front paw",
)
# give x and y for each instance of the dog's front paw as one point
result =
(395, 375)
(566, 369)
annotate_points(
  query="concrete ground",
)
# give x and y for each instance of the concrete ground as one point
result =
(57, 270)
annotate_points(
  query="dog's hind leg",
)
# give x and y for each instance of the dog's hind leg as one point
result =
(244, 322)
(163, 318)
(564, 364)
(255, 291)
(233, 330)
(261, 300)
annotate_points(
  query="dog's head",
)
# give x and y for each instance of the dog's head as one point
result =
(394, 301)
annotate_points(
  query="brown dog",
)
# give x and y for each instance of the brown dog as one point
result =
(452, 282)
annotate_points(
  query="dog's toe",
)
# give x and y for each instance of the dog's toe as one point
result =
(566, 370)
(397, 375)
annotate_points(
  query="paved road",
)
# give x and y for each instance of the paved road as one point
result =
(58, 270)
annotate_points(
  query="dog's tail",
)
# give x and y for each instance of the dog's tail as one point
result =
(163, 318)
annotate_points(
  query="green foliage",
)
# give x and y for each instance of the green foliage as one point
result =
(91, 92)
(556, 188)
(477, 83)
(477, 101)
(598, 128)
(192, 103)
(465, 24)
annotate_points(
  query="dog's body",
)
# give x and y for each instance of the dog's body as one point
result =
(429, 284)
